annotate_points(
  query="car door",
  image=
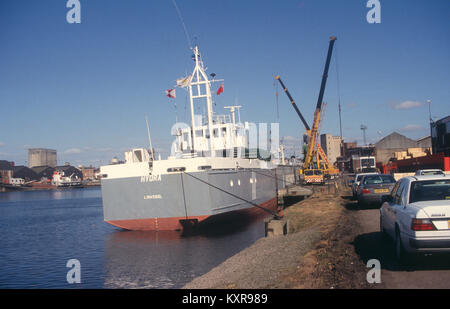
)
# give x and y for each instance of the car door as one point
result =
(386, 208)
(397, 205)
(392, 208)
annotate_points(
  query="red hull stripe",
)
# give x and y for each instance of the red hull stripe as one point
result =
(175, 223)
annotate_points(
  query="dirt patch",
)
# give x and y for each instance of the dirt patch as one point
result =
(333, 263)
(264, 265)
(318, 252)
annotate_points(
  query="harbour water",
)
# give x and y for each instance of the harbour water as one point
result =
(42, 230)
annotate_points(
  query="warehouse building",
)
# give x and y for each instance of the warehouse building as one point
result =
(440, 136)
(41, 157)
(331, 145)
(398, 147)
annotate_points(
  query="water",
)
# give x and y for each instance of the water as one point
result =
(41, 230)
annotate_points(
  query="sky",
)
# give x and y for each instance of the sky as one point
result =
(84, 89)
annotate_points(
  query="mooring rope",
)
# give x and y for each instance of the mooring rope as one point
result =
(234, 195)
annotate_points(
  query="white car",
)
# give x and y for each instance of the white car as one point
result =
(417, 215)
(356, 182)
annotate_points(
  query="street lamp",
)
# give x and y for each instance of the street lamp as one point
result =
(364, 128)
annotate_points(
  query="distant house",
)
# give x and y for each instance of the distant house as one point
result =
(6, 171)
(44, 172)
(88, 172)
(25, 173)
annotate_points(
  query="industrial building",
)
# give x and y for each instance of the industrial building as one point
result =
(331, 145)
(440, 136)
(41, 157)
(43, 172)
(6, 171)
(398, 146)
(24, 173)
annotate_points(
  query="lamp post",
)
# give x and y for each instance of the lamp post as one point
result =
(364, 128)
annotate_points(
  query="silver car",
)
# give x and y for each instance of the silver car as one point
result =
(356, 181)
(373, 187)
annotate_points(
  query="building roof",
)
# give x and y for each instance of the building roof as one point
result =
(394, 141)
(5, 165)
(424, 138)
(22, 171)
(443, 120)
(40, 169)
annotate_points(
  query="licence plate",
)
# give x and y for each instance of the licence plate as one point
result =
(381, 190)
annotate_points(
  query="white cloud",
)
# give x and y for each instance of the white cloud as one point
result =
(2, 144)
(406, 105)
(73, 151)
(411, 128)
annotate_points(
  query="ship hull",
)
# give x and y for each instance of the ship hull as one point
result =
(174, 201)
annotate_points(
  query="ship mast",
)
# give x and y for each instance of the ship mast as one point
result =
(199, 78)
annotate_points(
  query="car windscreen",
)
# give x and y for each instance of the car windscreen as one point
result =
(378, 179)
(317, 172)
(309, 173)
(429, 190)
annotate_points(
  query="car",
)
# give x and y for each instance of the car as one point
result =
(416, 215)
(373, 187)
(429, 172)
(356, 181)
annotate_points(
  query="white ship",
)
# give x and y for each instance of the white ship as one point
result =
(211, 171)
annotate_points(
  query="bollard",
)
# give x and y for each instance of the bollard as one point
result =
(275, 227)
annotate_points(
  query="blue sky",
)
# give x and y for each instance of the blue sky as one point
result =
(83, 89)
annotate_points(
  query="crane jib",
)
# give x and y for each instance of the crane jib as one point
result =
(325, 73)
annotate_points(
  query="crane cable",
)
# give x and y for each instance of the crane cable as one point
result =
(338, 90)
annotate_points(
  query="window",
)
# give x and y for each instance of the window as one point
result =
(199, 133)
(429, 190)
(398, 193)
(186, 137)
(378, 179)
(138, 155)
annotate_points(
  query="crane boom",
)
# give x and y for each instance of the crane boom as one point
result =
(315, 125)
(293, 103)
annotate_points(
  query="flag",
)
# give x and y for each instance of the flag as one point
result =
(184, 82)
(220, 90)
(171, 93)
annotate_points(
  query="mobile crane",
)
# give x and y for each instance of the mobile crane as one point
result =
(314, 171)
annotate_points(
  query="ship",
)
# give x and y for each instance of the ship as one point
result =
(60, 180)
(210, 173)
